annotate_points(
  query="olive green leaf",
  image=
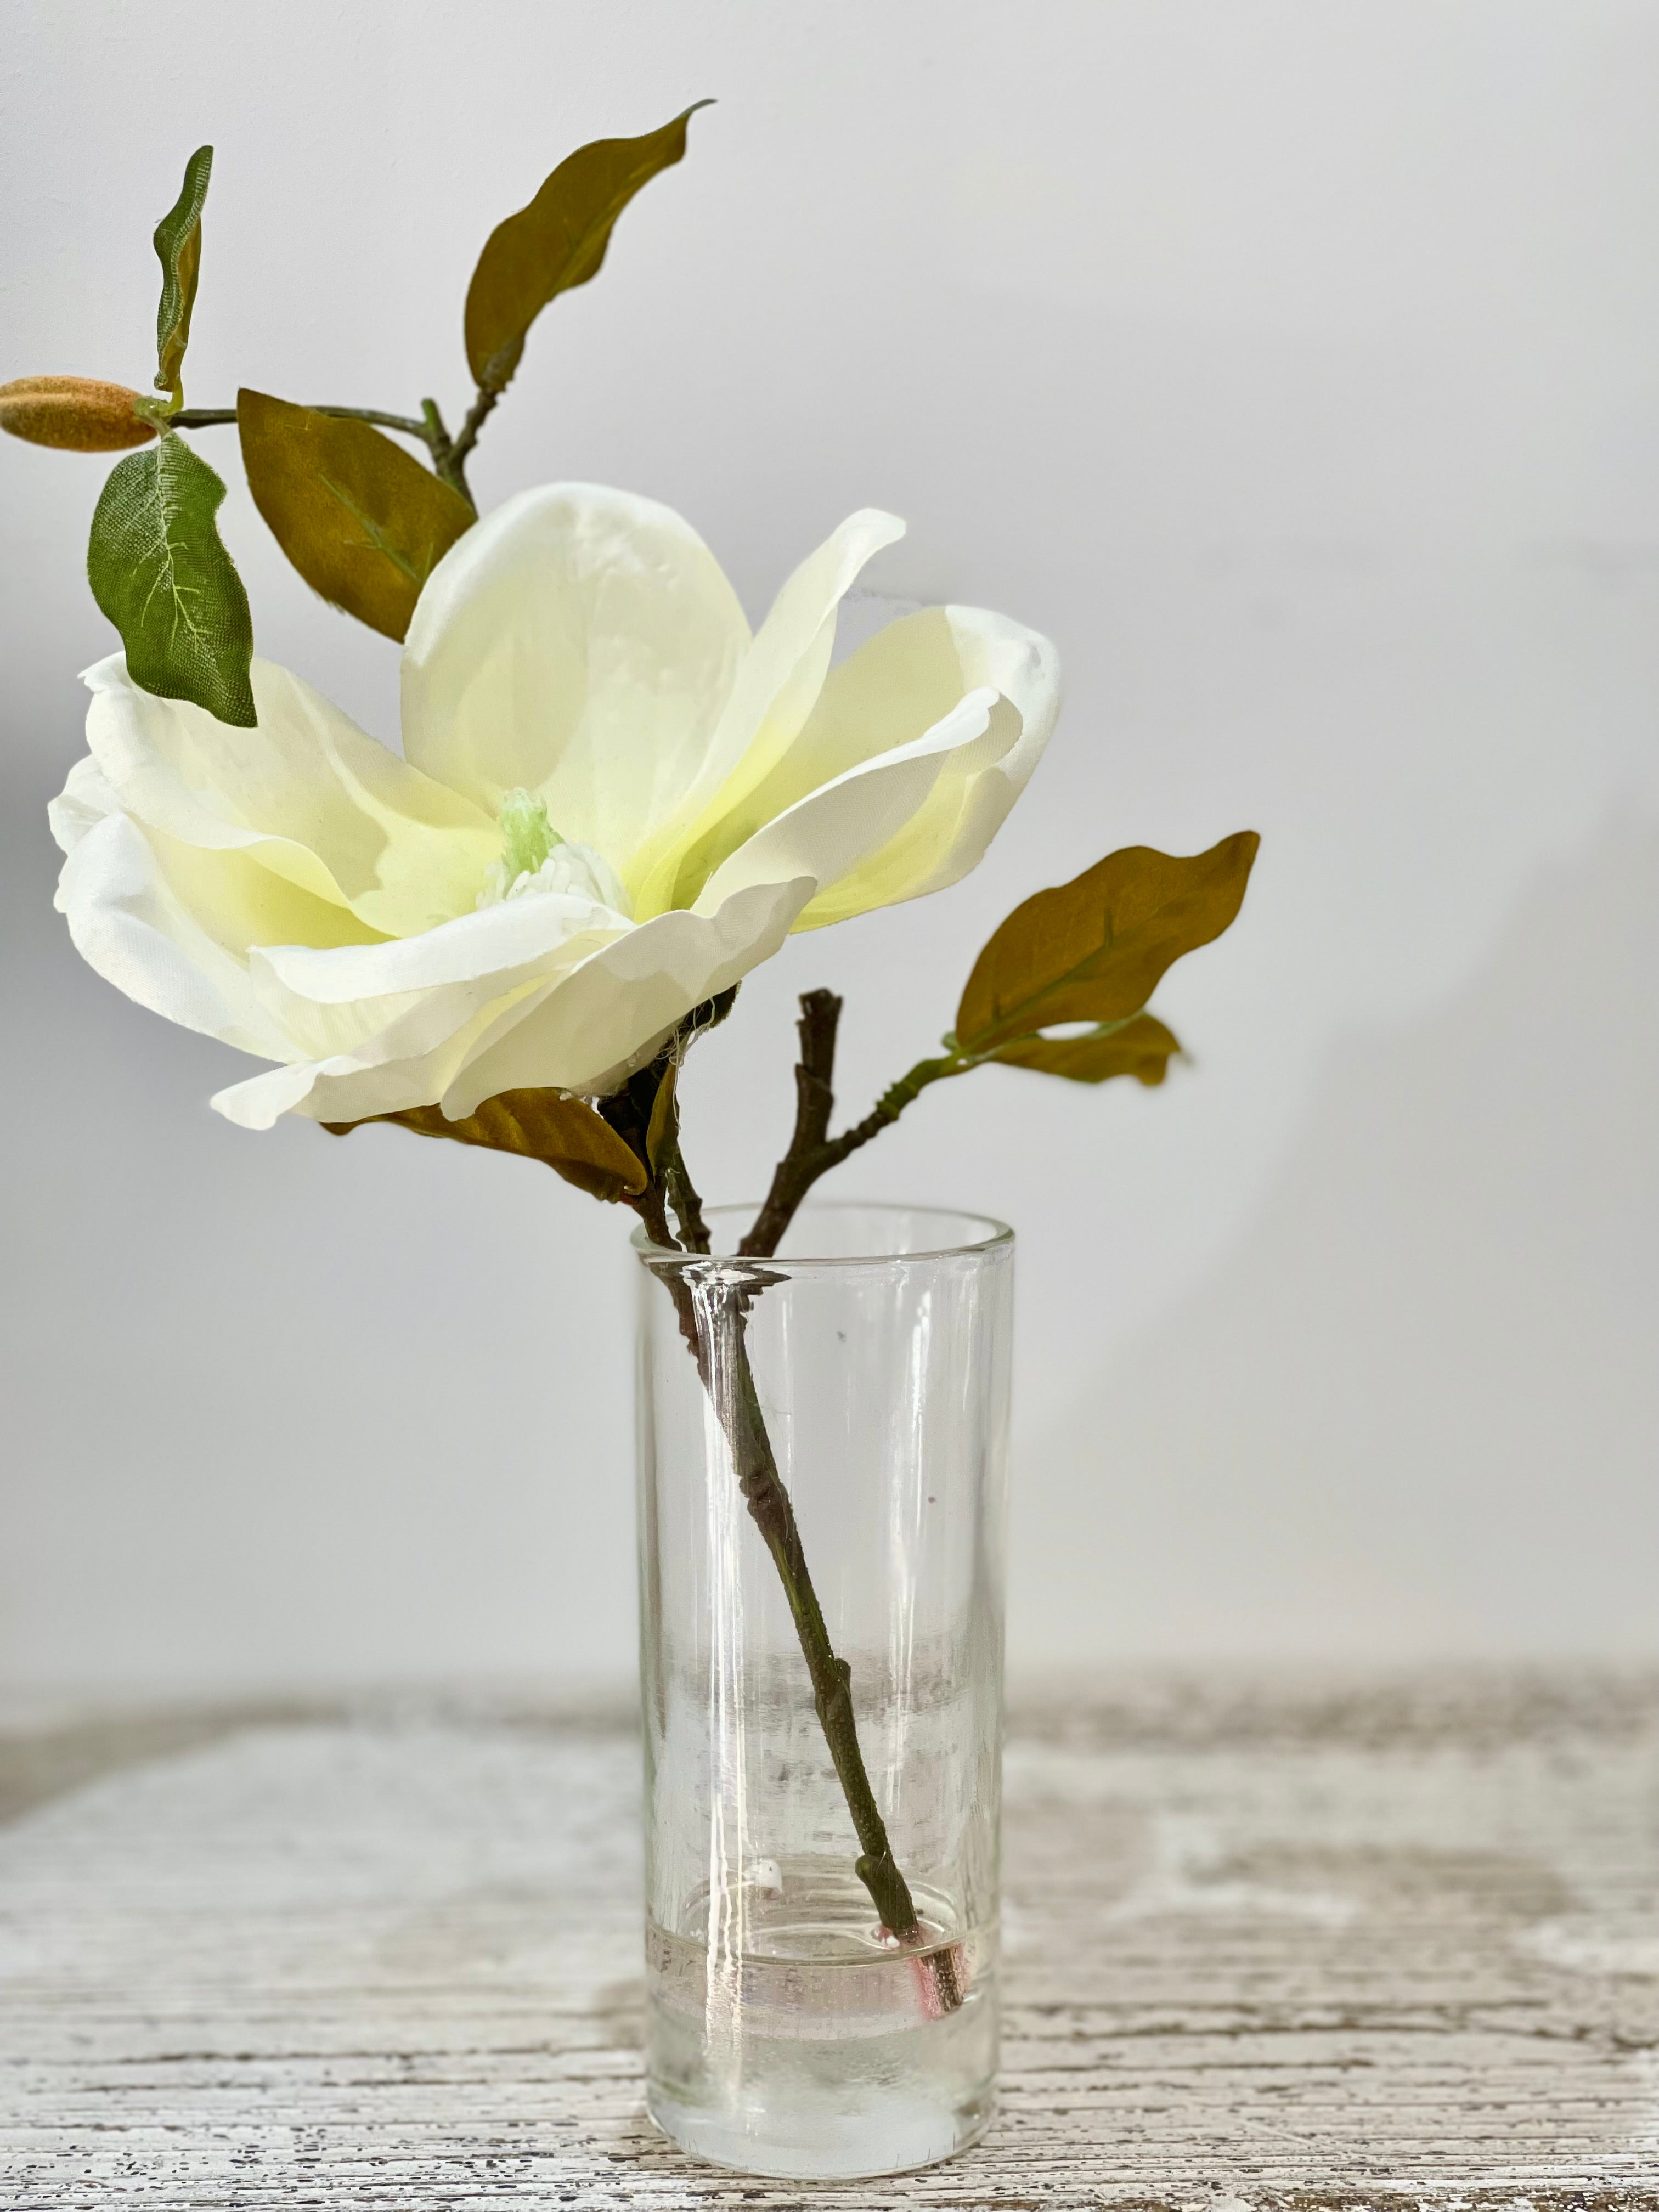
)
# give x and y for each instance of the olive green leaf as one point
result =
(663, 1131)
(179, 248)
(557, 242)
(562, 1133)
(1140, 1046)
(1093, 949)
(361, 519)
(159, 570)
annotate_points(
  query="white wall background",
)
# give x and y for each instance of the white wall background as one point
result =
(1296, 368)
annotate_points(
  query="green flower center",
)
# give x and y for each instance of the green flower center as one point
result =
(527, 836)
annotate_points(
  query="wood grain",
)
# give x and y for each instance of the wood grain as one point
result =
(1268, 1947)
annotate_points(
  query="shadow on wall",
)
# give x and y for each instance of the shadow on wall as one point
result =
(1416, 1410)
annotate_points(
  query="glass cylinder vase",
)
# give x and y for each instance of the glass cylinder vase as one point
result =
(822, 1449)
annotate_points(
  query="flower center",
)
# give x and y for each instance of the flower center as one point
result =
(527, 836)
(535, 858)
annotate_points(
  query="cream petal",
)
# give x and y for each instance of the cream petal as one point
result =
(128, 923)
(582, 1031)
(308, 794)
(579, 643)
(946, 837)
(513, 936)
(407, 1063)
(261, 1102)
(243, 907)
(828, 833)
(335, 1002)
(904, 681)
(775, 690)
(591, 1028)
(1024, 666)
(82, 803)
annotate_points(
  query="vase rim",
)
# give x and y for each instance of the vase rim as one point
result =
(969, 1236)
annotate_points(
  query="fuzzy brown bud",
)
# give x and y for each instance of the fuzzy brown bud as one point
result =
(77, 412)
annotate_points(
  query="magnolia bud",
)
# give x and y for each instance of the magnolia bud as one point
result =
(76, 411)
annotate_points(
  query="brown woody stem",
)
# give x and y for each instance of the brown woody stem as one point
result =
(682, 1196)
(467, 436)
(445, 462)
(716, 1334)
(205, 418)
(812, 1151)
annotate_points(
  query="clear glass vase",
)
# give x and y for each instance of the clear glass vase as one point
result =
(823, 1447)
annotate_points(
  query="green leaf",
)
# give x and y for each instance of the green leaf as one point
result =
(562, 1133)
(557, 242)
(179, 249)
(1093, 949)
(1140, 1046)
(159, 570)
(361, 519)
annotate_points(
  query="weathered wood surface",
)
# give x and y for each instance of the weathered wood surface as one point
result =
(1270, 1948)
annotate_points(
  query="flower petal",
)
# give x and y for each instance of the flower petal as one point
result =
(514, 937)
(86, 798)
(307, 794)
(578, 643)
(607, 1017)
(406, 1063)
(776, 691)
(338, 1002)
(947, 835)
(128, 923)
(579, 1030)
(827, 834)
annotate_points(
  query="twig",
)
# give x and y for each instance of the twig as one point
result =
(205, 418)
(716, 1335)
(682, 1196)
(812, 1151)
(467, 436)
(441, 447)
(648, 1205)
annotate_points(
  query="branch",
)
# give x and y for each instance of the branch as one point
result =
(467, 437)
(812, 1151)
(205, 418)
(682, 1196)
(716, 1336)
(441, 447)
(648, 1205)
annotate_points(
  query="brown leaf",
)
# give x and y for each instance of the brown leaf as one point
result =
(563, 1134)
(1093, 949)
(557, 242)
(665, 1125)
(1141, 1046)
(361, 519)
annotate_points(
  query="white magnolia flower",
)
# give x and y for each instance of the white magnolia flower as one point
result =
(613, 802)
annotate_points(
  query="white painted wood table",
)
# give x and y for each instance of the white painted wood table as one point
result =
(1273, 1948)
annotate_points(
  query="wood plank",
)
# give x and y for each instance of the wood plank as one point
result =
(1275, 1946)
